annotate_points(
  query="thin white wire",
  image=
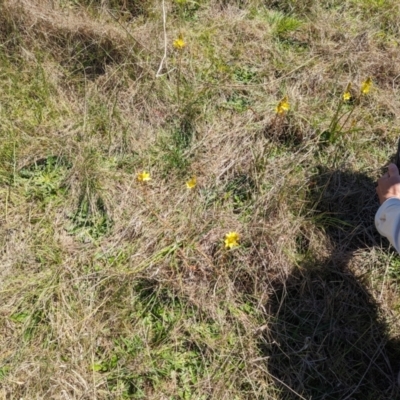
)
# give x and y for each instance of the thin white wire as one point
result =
(158, 74)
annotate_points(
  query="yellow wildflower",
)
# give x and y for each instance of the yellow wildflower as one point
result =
(179, 43)
(232, 239)
(283, 106)
(366, 86)
(143, 176)
(347, 93)
(346, 96)
(191, 183)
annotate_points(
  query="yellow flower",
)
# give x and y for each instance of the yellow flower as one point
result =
(347, 94)
(366, 86)
(191, 183)
(232, 239)
(143, 176)
(283, 106)
(179, 43)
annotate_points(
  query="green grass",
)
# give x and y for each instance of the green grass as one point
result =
(112, 288)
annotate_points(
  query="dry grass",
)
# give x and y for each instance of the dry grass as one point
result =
(112, 289)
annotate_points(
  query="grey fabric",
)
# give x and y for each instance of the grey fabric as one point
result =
(387, 221)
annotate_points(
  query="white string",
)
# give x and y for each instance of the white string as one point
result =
(158, 74)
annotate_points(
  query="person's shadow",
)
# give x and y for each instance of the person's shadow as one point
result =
(327, 338)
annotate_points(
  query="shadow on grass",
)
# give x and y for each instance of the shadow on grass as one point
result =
(328, 339)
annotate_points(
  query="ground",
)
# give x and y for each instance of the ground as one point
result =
(188, 199)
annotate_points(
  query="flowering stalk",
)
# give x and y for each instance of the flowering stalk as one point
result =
(179, 44)
(348, 117)
(365, 88)
(281, 110)
(335, 125)
(335, 120)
